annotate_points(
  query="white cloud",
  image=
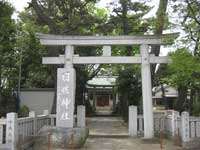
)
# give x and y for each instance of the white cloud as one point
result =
(19, 6)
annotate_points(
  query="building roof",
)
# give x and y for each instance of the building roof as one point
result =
(170, 91)
(104, 82)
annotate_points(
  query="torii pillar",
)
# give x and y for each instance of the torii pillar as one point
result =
(147, 92)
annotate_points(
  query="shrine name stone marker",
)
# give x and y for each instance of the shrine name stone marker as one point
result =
(65, 97)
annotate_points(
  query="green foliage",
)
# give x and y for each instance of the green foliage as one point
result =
(196, 108)
(23, 111)
(71, 18)
(127, 16)
(184, 68)
(184, 73)
(8, 71)
(127, 19)
(189, 14)
(34, 73)
(129, 84)
(161, 21)
(66, 17)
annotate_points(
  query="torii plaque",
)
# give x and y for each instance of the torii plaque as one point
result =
(65, 104)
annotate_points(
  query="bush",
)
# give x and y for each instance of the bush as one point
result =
(23, 111)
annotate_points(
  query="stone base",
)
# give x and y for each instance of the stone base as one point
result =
(193, 144)
(150, 141)
(60, 138)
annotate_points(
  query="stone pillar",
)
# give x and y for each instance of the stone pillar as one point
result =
(81, 116)
(132, 121)
(94, 98)
(185, 126)
(11, 130)
(106, 50)
(147, 93)
(33, 115)
(114, 99)
(175, 114)
(110, 101)
(117, 97)
(1, 133)
(66, 84)
(46, 112)
(89, 97)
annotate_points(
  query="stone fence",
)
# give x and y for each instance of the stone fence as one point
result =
(15, 132)
(18, 133)
(183, 128)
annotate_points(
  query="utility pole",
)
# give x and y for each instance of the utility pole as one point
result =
(19, 77)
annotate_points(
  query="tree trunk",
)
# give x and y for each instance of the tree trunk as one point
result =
(164, 97)
(192, 98)
(160, 22)
(124, 16)
(182, 99)
(124, 107)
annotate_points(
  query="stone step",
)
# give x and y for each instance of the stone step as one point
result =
(109, 136)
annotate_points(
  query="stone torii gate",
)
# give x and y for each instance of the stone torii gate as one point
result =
(66, 76)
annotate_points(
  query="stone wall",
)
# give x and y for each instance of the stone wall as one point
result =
(37, 99)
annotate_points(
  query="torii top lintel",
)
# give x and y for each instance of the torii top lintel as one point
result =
(165, 39)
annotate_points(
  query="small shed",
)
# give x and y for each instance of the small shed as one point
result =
(166, 98)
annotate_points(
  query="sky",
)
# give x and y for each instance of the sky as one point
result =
(20, 4)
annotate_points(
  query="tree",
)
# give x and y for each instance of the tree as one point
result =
(34, 73)
(73, 17)
(127, 19)
(159, 24)
(185, 71)
(189, 14)
(7, 51)
(7, 41)
(129, 87)
(8, 54)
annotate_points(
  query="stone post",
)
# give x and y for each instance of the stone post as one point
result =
(132, 120)
(33, 115)
(81, 116)
(110, 101)
(185, 126)
(147, 93)
(175, 114)
(117, 97)
(106, 50)
(11, 130)
(114, 99)
(1, 132)
(94, 98)
(46, 112)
